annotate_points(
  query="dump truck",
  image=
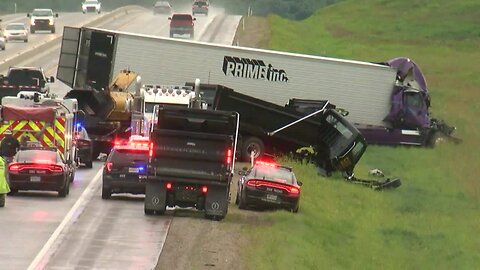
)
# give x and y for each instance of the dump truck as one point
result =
(268, 128)
(388, 102)
(191, 160)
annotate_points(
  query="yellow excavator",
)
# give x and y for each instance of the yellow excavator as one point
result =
(107, 113)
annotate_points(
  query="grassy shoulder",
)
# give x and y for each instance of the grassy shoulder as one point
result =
(432, 219)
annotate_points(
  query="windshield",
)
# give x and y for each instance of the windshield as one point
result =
(149, 107)
(273, 174)
(15, 27)
(26, 77)
(90, 2)
(40, 13)
(37, 156)
(340, 136)
(182, 17)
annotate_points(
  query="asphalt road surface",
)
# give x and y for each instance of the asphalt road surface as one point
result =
(82, 231)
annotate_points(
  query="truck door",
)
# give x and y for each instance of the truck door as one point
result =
(100, 59)
(68, 55)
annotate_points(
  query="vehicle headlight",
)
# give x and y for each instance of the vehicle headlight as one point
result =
(50, 22)
(32, 21)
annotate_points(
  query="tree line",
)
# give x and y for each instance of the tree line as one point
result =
(292, 9)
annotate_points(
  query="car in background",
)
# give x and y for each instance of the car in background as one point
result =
(200, 7)
(15, 31)
(181, 24)
(91, 6)
(125, 169)
(268, 185)
(162, 7)
(38, 168)
(84, 147)
(42, 19)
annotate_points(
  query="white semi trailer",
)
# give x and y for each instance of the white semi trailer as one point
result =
(382, 100)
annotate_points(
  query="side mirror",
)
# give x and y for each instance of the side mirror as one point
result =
(28, 15)
(51, 79)
(169, 18)
(299, 183)
(194, 19)
(56, 15)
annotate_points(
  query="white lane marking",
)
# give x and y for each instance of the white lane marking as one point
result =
(41, 259)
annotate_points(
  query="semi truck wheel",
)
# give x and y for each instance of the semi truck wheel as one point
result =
(252, 144)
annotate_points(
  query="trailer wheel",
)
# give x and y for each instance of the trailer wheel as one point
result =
(252, 144)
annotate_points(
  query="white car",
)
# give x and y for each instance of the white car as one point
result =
(91, 6)
(16, 31)
(42, 19)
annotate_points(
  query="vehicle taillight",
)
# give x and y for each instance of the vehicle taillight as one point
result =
(229, 156)
(14, 167)
(204, 189)
(109, 166)
(150, 150)
(294, 190)
(55, 168)
(169, 186)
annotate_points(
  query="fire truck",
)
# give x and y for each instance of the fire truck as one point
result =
(41, 121)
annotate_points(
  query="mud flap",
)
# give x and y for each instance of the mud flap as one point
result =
(155, 196)
(216, 202)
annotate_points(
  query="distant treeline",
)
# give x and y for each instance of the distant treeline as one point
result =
(292, 9)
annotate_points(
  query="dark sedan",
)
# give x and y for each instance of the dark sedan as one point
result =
(39, 169)
(84, 147)
(125, 169)
(268, 185)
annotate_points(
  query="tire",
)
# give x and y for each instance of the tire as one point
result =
(89, 164)
(3, 48)
(295, 208)
(32, 31)
(171, 34)
(65, 190)
(26, 40)
(2, 200)
(53, 30)
(148, 212)
(214, 217)
(252, 144)
(237, 200)
(242, 203)
(12, 192)
(106, 193)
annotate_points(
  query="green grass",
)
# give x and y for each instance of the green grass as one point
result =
(433, 220)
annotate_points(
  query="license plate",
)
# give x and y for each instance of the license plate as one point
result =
(133, 170)
(271, 197)
(34, 178)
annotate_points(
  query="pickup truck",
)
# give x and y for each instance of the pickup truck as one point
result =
(42, 19)
(24, 79)
(191, 160)
(181, 24)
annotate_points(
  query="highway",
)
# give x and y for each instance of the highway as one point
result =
(42, 231)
